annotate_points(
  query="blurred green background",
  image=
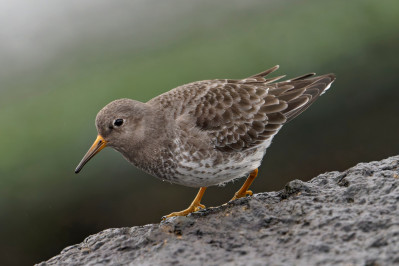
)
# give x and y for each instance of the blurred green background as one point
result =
(62, 61)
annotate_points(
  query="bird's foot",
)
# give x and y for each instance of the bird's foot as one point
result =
(244, 191)
(192, 208)
(241, 194)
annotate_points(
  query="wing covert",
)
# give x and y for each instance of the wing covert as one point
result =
(241, 114)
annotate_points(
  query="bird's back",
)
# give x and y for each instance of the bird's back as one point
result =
(242, 114)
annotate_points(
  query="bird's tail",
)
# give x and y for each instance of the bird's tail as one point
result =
(300, 92)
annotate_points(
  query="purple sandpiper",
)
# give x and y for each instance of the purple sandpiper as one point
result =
(207, 132)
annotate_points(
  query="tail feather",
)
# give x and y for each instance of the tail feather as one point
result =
(266, 72)
(299, 92)
(304, 92)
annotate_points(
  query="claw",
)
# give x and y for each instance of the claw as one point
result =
(194, 206)
(244, 191)
(241, 195)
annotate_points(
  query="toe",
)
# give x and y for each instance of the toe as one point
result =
(173, 214)
(199, 207)
(185, 212)
(241, 195)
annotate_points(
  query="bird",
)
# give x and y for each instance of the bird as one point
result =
(205, 133)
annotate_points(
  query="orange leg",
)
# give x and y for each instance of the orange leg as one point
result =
(243, 191)
(194, 206)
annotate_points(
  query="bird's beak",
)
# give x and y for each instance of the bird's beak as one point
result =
(97, 146)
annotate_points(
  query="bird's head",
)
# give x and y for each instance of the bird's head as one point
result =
(120, 125)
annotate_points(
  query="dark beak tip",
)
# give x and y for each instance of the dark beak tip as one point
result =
(78, 169)
(97, 146)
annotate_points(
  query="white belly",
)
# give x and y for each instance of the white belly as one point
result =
(204, 173)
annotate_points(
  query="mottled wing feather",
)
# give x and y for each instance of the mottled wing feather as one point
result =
(241, 114)
(238, 116)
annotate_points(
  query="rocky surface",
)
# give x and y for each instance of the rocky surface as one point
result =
(349, 218)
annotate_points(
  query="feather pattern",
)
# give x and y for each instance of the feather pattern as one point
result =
(207, 132)
(218, 130)
(242, 114)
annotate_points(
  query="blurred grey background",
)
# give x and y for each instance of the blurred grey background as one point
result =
(62, 61)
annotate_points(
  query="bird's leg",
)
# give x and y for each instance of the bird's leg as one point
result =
(243, 191)
(194, 206)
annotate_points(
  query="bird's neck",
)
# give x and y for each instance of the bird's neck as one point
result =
(151, 153)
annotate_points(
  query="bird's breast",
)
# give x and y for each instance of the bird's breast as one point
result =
(212, 167)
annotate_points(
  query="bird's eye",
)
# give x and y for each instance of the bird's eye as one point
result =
(118, 122)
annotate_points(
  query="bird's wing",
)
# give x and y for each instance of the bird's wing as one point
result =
(242, 114)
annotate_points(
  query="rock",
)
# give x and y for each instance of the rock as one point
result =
(347, 218)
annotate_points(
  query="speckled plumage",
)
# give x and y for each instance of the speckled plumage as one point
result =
(207, 132)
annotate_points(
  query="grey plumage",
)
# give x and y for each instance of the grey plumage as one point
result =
(207, 132)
